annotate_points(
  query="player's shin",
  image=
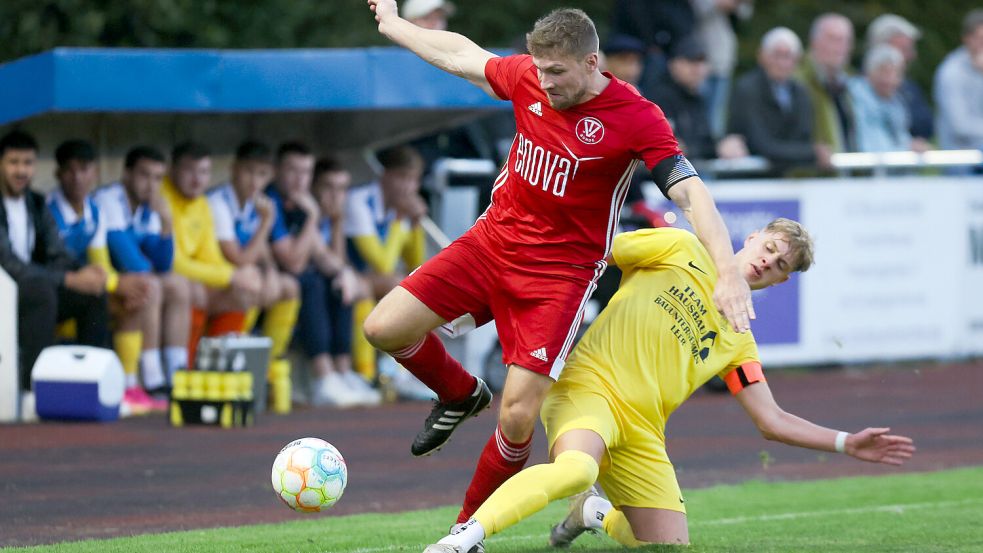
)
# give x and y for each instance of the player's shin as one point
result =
(532, 489)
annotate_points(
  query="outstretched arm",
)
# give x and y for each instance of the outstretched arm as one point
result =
(871, 444)
(451, 52)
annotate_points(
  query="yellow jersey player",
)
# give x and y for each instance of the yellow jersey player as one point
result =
(658, 340)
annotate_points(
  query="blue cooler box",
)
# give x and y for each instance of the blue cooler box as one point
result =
(78, 383)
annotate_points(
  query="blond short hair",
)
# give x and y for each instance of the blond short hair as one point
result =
(799, 242)
(565, 32)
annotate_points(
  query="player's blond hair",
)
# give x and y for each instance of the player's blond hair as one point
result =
(799, 242)
(565, 32)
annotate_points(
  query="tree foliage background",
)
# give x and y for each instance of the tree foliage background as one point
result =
(32, 26)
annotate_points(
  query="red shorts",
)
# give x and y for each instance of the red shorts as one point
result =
(537, 308)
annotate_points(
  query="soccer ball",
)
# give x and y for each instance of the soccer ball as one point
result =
(309, 475)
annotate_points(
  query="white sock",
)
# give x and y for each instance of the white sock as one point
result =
(467, 536)
(595, 509)
(153, 372)
(130, 381)
(175, 357)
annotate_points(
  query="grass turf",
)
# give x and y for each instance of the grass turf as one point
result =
(924, 512)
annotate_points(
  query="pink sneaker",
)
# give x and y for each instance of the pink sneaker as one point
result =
(136, 402)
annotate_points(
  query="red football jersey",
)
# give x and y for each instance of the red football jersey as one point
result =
(559, 196)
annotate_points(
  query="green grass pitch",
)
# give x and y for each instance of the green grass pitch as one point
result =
(925, 512)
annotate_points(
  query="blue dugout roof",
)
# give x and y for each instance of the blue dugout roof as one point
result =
(229, 81)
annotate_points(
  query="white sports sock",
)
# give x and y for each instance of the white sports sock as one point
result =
(153, 372)
(595, 509)
(175, 357)
(466, 537)
(130, 380)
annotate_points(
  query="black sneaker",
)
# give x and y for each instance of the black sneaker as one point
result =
(445, 417)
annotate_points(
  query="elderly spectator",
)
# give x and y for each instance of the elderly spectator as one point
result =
(959, 89)
(881, 117)
(686, 109)
(899, 32)
(715, 27)
(773, 111)
(825, 73)
(429, 14)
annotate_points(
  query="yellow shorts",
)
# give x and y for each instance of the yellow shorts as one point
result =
(637, 471)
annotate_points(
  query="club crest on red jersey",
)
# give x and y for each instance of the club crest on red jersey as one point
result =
(590, 130)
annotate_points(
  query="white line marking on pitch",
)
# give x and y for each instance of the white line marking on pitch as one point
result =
(898, 508)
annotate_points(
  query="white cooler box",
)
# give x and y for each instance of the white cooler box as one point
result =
(77, 383)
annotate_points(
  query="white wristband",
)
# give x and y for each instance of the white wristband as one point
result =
(840, 443)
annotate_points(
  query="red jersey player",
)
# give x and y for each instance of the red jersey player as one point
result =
(533, 258)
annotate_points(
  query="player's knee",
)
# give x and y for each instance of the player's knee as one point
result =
(154, 290)
(517, 419)
(579, 468)
(378, 332)
(290, 288)
(177, 290)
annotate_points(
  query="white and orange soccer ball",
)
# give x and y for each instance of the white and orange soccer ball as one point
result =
(309, 475)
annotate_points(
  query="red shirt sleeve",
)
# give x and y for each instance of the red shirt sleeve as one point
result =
(655, 140)
(503, 73)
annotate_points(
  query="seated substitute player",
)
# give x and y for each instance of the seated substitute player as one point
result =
(533, 258)
(244, 226)
(138, 233)
(134, 298)
(221, 293)
(657, 341)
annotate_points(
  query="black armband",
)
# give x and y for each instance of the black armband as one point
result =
(671, 170)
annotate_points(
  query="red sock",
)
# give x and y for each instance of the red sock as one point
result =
(198, 320)
(226, 323)
(498, 462)
(429, 361)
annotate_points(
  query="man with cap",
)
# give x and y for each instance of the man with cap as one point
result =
(429, 14)
(686, 109)
(624, 57)
(898, 32)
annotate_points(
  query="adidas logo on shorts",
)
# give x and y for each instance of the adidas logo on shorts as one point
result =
(536, 108)
(539, 354)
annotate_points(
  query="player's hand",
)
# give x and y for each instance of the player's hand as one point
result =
(134, 290)
(350, 285)
(163, 210)
(383, 9)
(732, 296)
(264, 208)
(308, 204)
(90, 280)
(413, 207)
(877, 446)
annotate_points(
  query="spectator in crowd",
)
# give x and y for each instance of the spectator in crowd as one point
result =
(715, 27)
(958, 89)
(659, 25)
(624, 57)
(772, 111)
(685, 107)
(429, 14)
(326, 290)
(244, 226)
(899, 32)
(52, 286)
(221, 293)
(382, 223)
(881, 116)
(135, 299)
(141, 244)
(825, 72)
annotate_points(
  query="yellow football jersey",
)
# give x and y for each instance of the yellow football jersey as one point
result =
(660, 337)
(196, 251)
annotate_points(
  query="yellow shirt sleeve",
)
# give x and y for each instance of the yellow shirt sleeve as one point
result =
(196, 251)
(414, 249)
(100, 257)
(382, 256)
